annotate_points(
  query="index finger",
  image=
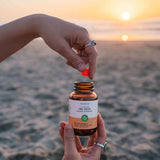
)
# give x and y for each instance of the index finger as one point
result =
(92, 55)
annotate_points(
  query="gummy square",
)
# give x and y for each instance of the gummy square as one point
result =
(85, 72)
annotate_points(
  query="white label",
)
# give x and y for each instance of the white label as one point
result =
(78, 108)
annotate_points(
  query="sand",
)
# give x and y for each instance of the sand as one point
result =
(35, 84)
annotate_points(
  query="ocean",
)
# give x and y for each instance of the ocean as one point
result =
(148, 29)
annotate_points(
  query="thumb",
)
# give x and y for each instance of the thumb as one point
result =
(69, 140)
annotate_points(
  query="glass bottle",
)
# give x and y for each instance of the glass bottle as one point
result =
(83, 108)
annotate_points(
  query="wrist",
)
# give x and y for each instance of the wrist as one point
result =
(35, 21)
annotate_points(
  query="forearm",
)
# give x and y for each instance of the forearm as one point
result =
(15, 35)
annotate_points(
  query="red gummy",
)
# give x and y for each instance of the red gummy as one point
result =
(85, 72)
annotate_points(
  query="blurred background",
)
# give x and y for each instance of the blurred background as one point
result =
(105, 19)
(35, 82)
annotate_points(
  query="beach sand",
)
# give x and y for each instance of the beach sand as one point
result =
(35, 84)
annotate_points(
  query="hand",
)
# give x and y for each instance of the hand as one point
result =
(73, 146)
(62, 36)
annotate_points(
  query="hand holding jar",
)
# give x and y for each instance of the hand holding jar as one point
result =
(73, 146)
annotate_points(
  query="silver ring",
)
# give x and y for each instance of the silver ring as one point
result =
(103, 146)
(91, 43)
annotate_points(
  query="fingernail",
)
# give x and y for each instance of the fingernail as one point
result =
(81, 67)
(63, 125)
(69, 127)
(91, 77)
(69, 132)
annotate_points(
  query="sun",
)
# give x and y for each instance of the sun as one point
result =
(124, 37)
(125, 16)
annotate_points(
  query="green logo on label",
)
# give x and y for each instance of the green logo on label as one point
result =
(84, 118)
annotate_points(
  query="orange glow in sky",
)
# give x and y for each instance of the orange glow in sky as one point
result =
(120, 12)
(81, 9)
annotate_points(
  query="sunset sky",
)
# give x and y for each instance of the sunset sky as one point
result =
(116, 11)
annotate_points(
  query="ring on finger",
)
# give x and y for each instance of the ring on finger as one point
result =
(103, 146)
(91, 43)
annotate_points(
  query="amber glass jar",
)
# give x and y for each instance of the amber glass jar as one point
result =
(83, 108)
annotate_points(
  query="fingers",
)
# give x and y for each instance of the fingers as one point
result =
(74, 60)
(69, 139)
(101, 135)
(77, 140)
(78, 143)
(85, 59)
(101, 130)
(77, 61)
(92, 139)
(70, 64)
(92, 53)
